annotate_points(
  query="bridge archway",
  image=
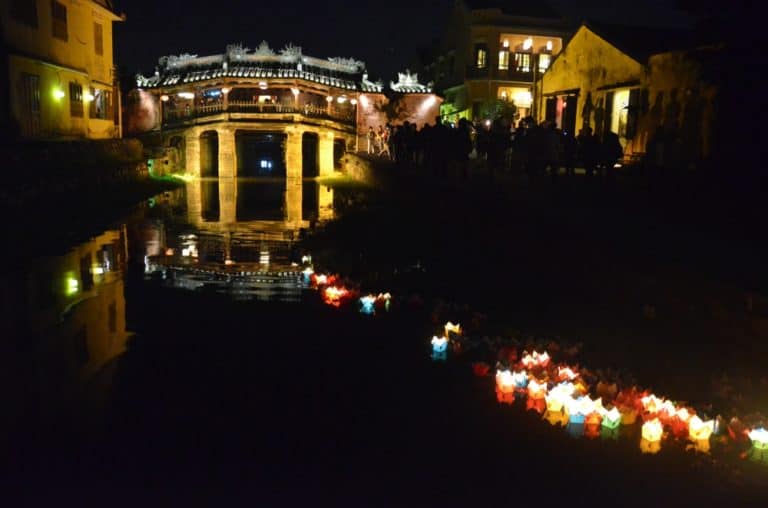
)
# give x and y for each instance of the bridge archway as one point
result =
(339, 149)
(260, 154)
(209, 154)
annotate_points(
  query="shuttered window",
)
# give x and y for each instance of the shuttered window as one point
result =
(59, 20)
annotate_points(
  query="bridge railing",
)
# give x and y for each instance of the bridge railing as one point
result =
(174, 116)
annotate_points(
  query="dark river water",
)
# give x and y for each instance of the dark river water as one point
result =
(183, 345)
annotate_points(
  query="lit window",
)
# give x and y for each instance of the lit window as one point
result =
(101, 105)
(544, 62)
(503, 60)
(549, 45)
(76, 99)
(482, 55)
(59, 20)
(523, 62)
(98, 38)
(504, 95)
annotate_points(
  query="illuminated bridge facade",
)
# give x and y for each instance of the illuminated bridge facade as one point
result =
(260, 112)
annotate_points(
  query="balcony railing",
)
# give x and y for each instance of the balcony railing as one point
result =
(180, 115)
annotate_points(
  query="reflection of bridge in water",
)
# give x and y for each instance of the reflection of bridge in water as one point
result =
(241, 237)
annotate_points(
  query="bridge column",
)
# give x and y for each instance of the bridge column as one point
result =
(194, 202)
(293, 198)
(192, 152)
(325, 155)
(227, 200)
(227, 154)
(325, 202)
(293, 153)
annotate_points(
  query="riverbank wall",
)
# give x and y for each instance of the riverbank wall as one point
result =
(35, 171)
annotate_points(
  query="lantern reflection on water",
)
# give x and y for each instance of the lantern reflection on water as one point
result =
(575, 430)
(607, 433)
(538, 405)
(505, 386)
(556, 417)
(650, 446)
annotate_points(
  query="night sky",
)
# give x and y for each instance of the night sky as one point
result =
(386, 35)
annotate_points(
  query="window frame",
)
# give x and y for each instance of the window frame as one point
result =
(25, 12)
(76, 109)
(59, 21)
(504, 59)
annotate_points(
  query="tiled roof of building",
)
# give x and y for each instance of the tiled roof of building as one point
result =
(240, 62)
(642, 42)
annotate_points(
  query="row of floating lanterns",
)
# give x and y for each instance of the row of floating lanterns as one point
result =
(561, 396)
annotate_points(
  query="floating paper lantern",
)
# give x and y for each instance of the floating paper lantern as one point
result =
(577, 409)
(611, 419)
(591, 430)
(452, 328)
(366, 305)
(652, 430)
(699, 430)
(439, 344)
(520, 379)
(536, 390)
(542, 359)
(333, 295)
(679, 424)
(566, 374)
(307, 275)
(557, 398)
(481, 369)
(505, 386)
(594, 418)
(628, 415)
(759, 438)
(652, 404)
(386, 298)
(759, 450)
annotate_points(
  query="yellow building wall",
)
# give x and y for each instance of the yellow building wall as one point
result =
(587, 63)
(680, 101)
(57, 63)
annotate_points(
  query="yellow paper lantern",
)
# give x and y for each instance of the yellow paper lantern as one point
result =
(536, 390)
(699, 430)
(452, 328)
(652, 430)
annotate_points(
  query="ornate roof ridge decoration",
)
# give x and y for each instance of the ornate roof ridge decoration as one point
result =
(186, 60)
(409, 83)
(348, 64)
(290, 53)
(370, 86)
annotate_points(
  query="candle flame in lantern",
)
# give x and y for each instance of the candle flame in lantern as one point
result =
(536, 390)
(505, 380)
(652, 430)
(699, 430)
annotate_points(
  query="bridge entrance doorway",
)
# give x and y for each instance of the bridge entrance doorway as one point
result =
(260, 154)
